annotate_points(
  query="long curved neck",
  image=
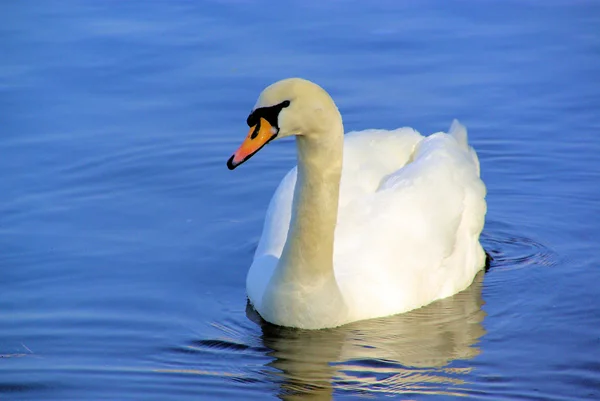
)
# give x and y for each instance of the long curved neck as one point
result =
(307, 256)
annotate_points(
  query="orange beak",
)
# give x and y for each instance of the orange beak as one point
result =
(258, 136)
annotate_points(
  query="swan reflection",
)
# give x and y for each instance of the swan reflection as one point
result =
(406, 353)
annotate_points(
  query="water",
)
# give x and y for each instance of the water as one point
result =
(125, 241)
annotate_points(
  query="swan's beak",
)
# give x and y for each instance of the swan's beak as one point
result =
(259, 135)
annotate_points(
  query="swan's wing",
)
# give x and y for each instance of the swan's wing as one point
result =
(415, 238)
(369, 156)
(277, 219)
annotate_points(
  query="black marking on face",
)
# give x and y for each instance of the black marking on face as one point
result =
(269, 113)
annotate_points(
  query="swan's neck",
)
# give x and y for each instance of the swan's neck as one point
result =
(308, 252)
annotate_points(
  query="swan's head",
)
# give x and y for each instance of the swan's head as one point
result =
(289, 107)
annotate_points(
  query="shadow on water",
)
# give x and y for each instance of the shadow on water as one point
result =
(407, 353)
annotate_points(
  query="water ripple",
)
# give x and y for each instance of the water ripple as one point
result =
(510, 251)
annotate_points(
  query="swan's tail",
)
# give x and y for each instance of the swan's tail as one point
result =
(459, 132)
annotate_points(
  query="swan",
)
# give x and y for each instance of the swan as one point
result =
(391, 226)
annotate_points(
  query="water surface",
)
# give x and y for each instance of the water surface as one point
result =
(125, 241)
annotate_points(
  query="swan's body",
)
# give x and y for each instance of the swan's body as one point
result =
(401, 231)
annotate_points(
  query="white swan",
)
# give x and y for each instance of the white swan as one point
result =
(400, 231)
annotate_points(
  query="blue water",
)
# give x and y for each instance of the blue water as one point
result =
(125, 241)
